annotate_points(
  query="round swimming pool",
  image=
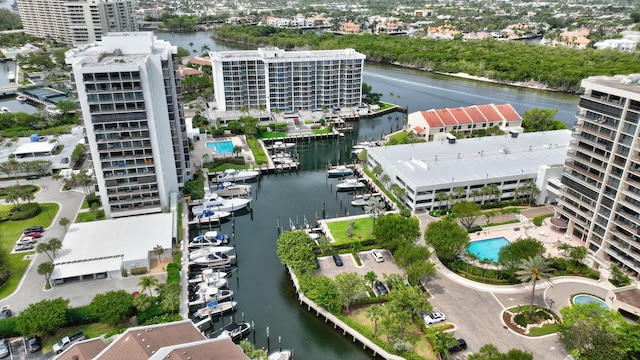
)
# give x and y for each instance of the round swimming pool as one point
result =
(589, 299)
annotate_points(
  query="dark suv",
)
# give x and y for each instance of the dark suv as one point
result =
(337, 260)
(460, 346)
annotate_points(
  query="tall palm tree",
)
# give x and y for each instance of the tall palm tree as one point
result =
(54, 245)
(374, 312)
(46, 268)
(532, 270)
(148, 282)
(565, 247)
(64, 222)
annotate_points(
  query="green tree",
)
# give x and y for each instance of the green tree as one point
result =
(392, 231)
(419, 271)
(170, 295)
(443, 341)
(385, 179)
(64, 222)
(531, 270)
(322, 291)
(590, 332)
(578, 253)
(158, 251)
(43, 318)
(350, 286)
(66, 106)
(295, 248)
(409, 300)
(46, 268)
(511, 254)
(43, 247)
(148, 282)
(565, 247)
(490, 352)
(11, 167)
(618, 278)
(370, 277)
(374, 312)
(541, 120)
(377, 170)
(54, 245)
(112, 307)
(466, 212)
(142, 302)
(447, 238)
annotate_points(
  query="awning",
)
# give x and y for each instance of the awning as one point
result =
(559, 223)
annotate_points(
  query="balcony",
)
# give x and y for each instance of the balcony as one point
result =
(121, 174)
(570, 164)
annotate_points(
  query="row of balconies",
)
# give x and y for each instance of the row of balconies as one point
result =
(115, 208)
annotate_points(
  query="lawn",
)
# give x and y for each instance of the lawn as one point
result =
(361, 230)
(272, 135)
(10, 231)
(326, 130)
(258, 152)
(421, 347)
(85, 217)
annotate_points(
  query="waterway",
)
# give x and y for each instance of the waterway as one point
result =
(263, 290)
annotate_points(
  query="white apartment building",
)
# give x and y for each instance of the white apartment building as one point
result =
(130, 99)
(287, 80)
(600, 200)
(486, 169)
(77, 22)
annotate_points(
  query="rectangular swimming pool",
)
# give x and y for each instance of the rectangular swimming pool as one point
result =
(221, 147)
(488, 248)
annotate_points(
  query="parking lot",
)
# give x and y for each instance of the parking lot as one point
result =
(388, 266)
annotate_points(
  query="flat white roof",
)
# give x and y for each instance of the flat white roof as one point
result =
(35, 147)
(99, 246)
(473, 159)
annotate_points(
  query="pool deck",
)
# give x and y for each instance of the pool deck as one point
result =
(201, 152)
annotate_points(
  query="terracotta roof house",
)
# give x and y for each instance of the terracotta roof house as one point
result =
(435, 124)
(176, 340)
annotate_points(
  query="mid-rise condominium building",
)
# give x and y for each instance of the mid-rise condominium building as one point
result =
(131, 99)
(600, 201)
(270, 78)
(76, 22)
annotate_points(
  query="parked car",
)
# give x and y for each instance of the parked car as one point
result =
(5, 312)
(377, 256)
(32, 343)
(34, 234)
(65, 160)
(434, 317)
(460, 346)
(337, 259)
(4, 348)
(381, 289)
(33, 229)
(23, 247)
(27, 240)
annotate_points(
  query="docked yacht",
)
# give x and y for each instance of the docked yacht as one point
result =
(215, 309)
(231, 189)
(340, 170)
(350, 185)
(235, 175)
(215, 202)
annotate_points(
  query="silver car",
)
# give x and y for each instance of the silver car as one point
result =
(4, 348)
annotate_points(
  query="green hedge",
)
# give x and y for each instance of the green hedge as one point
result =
(93, 199)
(173, 273)
(537, 221)
(177, 258)
(8, 327)
(138, 271)
(27, 188)
(80, 315)
(26, 211)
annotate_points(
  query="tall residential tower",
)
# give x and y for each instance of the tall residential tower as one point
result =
(287, 80)
(601, 198)
(131, 99)
(76, 22)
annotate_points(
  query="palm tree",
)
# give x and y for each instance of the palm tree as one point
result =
(142, 302)
(374, 312)
(565, 247)
(205, 48)
(54, 245)
(158, 251)
(11, 168)
(64, 222)
(532, 270)
(12, 196)
(370, 277)
(46, 268)
(385, 179)
(442, 343)
(376, 171)
(27, 196)
(148, 282)
(459, 191)
(43, 247)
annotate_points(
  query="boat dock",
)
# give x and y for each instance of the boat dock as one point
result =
(357, 116)
(339, 324)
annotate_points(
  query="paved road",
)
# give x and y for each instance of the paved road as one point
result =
(31, 289)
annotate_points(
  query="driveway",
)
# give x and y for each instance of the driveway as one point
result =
(478, 318)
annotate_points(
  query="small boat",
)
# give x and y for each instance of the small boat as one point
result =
(215, 202)
(280, 355)
(209, 294)
(208, 215)
(53, 109)
(235, 331)
(5, 109)
(279, 145)
(215, 259)
(235, 175)
(231, 189)
(217, 283)
(215, 308)
(210, 238)
(21, 98)
(208, 274)
(360, 200)
(340, 170)
(350, 185)
(283, 160)
(209, 250)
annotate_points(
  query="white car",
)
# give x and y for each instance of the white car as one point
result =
(377, 255)
(434, 317)
(27, 240)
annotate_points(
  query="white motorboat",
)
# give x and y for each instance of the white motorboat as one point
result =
(208, 274)
(209, 294)
(235, 331)
(279, 145)
(212, 282)
(340, 170)
(210, 238)
(283, 160)
(215, 202)
(208, 215)
(350, 185)
(360, 200)
(280, 355)
(231, 189)
(235, 175)
(21, 98)
(215, 308)
(53, 109)
(209, 250)
(5, 109)
(215, 259)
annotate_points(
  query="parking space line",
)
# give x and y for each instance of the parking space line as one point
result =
(495, 297)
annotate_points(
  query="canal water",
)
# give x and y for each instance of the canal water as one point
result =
(263, 290)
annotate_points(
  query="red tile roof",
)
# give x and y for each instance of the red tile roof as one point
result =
(508, 112)
(472, 114)
(419, 129)
(475, 114)
(489, 112)
(432, 119)
(446, 117)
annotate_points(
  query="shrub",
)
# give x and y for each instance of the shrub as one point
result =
(161, 319)
(124, 272)
(177, 258)
(25, 188)
(173, 273)
(138, 271)
(80, 315)
(144, 316)
(475, 229)
(93, 199)
(26, 211)
(8, 327)
(537, 221)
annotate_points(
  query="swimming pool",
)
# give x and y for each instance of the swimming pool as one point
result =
(221, 147)
(488, 249)
(589, 299)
